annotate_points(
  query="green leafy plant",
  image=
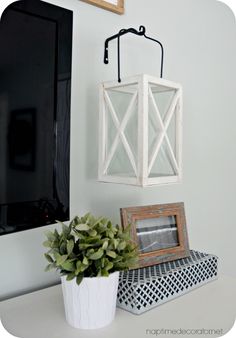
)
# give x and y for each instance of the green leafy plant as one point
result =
(89, 247)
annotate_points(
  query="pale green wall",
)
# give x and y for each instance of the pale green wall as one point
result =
(200, 44)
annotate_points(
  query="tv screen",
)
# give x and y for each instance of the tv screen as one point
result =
(35, 74)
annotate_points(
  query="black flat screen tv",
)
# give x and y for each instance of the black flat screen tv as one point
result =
(35, 91)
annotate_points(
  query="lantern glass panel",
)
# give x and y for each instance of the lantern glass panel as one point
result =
(163, 100)
(171, 133)
(120, 102)
(120, 164)
(121, 133)
(162, 165)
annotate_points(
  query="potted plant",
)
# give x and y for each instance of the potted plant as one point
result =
(89, 253)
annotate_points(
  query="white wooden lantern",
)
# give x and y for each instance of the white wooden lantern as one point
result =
(140, 131)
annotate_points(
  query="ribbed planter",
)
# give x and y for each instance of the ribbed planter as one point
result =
(92, 304)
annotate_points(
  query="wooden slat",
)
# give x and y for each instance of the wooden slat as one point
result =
(142, 130)
(119, 179)
(172, 158)
(163, 82)
(129, 81)
(158, 115)
(163, 180)
(179, 133)
(102, 131)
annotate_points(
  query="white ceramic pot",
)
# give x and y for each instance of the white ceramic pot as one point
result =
(92, 304)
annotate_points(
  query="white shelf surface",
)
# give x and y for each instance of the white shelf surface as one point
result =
(41, 314)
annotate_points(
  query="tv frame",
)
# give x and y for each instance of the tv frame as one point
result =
(63, 19)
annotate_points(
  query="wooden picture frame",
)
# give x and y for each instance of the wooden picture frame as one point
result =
(168, 236)
(108, 5)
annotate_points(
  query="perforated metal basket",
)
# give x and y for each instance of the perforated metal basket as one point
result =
(143, 289)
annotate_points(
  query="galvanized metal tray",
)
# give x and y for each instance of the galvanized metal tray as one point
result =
(143, 289)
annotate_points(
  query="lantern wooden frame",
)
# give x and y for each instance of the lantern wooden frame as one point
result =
(141, 88)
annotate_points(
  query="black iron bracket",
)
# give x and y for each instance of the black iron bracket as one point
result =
(140, 32)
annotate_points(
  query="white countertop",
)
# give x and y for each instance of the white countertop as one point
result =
(41, 315)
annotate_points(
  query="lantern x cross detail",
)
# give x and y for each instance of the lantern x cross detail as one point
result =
(120, 126)
(162, 135)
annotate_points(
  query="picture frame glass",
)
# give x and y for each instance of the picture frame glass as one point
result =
(157, 233)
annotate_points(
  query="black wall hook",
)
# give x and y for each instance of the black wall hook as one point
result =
(140, 32)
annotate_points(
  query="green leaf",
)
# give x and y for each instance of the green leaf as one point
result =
(85, 261)
(65, 229)
(82, 227)
(84, 246)
(70, 276)
(56, 234)
(110, 234)
(68, 266)
(55, 244)
(79, 279)
(118, 259)
(78, 264)
(105, 273)
(48, 258)
(109, 225)
(78, 234)
(49, 267)
(70, 246)
(121, 265)
(78, 267)
(109, 266)
(63, 249)
(102, 262)
(60, 259)
(83, 267)
(111, 254)
(90, 251)
(99, 274)
(47, 244)
(99, 220)
(75, 221)
(92, 233)
(122, 245)
(105, 245)
(53, 251)
(115, 243)
(132, 261)
(50, 236)
(92, 240)
(87, 217)
(97, 255)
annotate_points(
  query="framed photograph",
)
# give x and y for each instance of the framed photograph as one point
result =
(116, 6)
(159, 231)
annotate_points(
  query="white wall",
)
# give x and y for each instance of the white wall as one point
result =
(199, 39)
